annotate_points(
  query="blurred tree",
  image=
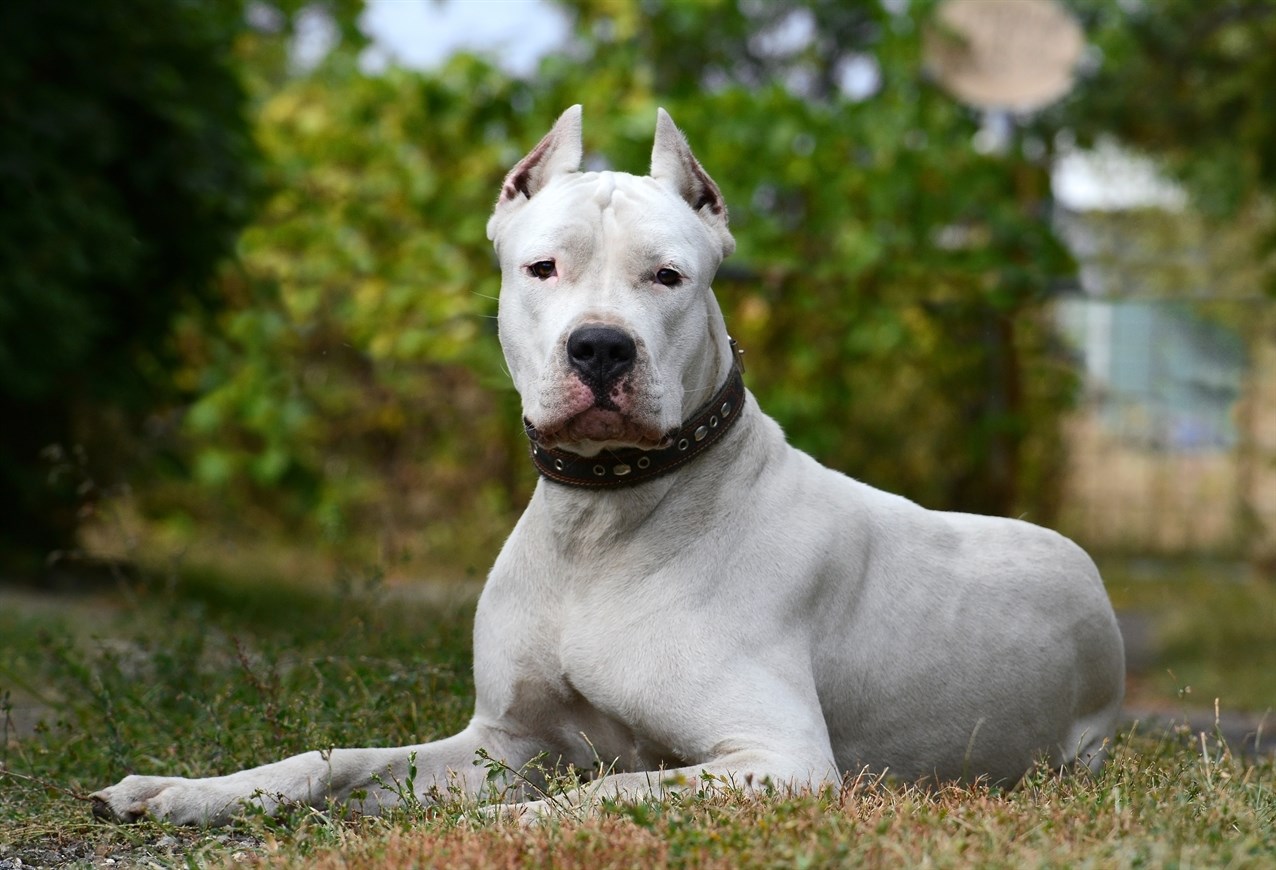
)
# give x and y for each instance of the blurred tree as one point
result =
(889, 281)
(126, 171)
(1191, 83)
(355, 379)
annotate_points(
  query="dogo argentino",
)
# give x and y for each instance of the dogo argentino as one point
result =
(688, 598)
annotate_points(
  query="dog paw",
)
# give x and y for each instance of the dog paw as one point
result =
(527, 814)
(174, 799)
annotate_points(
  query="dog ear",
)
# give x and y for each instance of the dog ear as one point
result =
(557, 154)
(673, 165)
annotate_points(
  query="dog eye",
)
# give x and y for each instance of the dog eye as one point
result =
(668, 277)
(542, 269)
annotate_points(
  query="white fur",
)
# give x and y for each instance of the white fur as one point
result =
(752, 615)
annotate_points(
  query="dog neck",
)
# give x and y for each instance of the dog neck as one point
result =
(624, 467)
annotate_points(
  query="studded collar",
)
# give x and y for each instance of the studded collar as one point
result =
(626, 466)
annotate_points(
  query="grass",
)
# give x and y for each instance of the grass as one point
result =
(204, 675)
(1213, 626)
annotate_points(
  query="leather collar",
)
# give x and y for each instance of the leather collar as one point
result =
(626, 466)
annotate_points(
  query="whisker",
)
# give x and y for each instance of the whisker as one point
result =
(705, 389)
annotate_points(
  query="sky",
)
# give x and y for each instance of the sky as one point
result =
(423, 33)
(1111, 178)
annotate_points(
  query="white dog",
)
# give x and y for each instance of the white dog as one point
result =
(689, 598)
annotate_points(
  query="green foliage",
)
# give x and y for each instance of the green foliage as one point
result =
(356, 379)
(888, 285)
(1189, 82)
(127, 169)
(126, 172)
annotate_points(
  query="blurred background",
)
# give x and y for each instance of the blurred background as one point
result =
(1004, 256)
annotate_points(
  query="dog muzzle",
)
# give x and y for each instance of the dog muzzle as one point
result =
(627, 466)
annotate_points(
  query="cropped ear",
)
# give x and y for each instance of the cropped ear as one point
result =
(673, 165)
(557, 154)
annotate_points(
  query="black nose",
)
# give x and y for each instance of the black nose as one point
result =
(600, 354)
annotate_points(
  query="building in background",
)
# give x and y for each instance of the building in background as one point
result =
(1172, 447)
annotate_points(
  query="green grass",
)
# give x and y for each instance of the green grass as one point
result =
(1213, 630)
(202, 676)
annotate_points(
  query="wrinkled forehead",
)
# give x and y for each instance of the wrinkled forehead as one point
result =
(578, 210)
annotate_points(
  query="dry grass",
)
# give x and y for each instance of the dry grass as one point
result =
(1179, 800)
(199, 677)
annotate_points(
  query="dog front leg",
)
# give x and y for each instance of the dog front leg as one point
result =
(368, 779)
(747, 771)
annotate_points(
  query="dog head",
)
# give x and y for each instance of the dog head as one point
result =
(607, 318)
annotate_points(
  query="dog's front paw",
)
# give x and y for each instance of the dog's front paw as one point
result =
(527, 814)
(171, 798)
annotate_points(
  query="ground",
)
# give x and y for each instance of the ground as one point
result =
(196, 673)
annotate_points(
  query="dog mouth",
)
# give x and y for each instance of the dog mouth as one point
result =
(601, 426)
